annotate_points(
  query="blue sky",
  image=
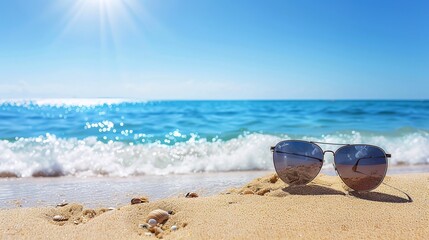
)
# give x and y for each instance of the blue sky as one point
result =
(219, 49)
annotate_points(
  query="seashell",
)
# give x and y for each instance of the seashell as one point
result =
(144, 225)
(62, 204)
(263, 191)
(59, 218)
(111, 208)
(274, 178)
(76, 222)
(247, 191)
(159, 215)
(148, 234)
(152, 222)
(191, 195)
(139, 200)
(173, 228)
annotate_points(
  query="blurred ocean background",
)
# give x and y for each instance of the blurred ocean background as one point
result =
(120, 137)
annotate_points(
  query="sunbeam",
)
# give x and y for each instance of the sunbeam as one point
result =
(107, 20)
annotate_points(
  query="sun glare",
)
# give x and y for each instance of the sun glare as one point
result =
(108, 18)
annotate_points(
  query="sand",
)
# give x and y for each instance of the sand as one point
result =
(320, 210)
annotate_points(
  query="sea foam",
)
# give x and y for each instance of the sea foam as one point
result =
(49, 155)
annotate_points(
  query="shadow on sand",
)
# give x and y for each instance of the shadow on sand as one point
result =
(311, 190)
(371, 196)
(381, 197)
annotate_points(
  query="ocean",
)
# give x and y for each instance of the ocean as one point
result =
(103, 152)
(120, 137)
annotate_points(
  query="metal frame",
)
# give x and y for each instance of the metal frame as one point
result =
(386, 155)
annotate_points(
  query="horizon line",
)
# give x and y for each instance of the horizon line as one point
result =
(2, 100)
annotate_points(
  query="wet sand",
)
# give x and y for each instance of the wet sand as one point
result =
(322, 210)
(107, 192)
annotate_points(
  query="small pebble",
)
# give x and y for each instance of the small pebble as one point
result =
(62, 204)
(274, 178)
(173, 228)
(59, 218)
(89, 213)
(111, 208)
(148, 234)
(158, 230)
(143, 225)
(263, 191)
(191, 195)
(152, 222)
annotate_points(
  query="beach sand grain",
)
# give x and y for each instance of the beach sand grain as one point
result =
(322, 210)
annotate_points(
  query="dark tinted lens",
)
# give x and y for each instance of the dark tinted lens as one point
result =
(361, 167)
(297, 162)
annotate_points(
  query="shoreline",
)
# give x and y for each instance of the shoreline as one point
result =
(322, 209)
(115, 191)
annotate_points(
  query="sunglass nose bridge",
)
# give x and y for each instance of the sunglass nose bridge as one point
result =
(333, 153)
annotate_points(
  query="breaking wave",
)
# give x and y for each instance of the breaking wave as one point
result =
(50, 156)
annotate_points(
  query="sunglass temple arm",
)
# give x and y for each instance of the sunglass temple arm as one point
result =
(388, 155)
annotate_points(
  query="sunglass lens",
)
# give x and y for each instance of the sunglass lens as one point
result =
(297, 162)
(361, 167)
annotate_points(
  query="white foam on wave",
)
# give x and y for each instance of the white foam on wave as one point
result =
(52, 156)
(66, 102)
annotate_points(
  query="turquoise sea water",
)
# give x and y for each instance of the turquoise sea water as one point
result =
(119, 137)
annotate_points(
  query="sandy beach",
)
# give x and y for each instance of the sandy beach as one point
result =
(322, 210)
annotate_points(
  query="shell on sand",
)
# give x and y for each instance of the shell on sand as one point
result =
(144, 225)
(59, 218)
(247, 191)
(191, 195)
(159, 215)
(139, 200)
(62, 204)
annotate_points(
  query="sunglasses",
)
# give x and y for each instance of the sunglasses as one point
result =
(361, 167)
